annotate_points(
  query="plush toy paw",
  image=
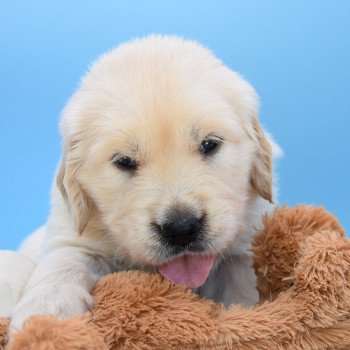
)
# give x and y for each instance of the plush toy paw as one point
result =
(47, 332)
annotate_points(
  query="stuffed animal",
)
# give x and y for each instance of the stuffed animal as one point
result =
(302, 262)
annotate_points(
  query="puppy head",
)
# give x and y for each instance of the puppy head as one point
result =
(162, 145)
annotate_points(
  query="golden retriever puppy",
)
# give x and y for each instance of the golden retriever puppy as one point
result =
(165, 168)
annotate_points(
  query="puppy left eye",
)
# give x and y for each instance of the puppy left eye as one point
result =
(125, 163)
(209, 146)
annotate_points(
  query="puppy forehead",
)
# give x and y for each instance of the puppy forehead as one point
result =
(132, 112)
(177, 130)
(150, 82)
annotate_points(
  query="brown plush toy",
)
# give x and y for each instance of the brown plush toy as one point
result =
(302, 261)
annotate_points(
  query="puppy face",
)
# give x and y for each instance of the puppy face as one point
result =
(162, 147)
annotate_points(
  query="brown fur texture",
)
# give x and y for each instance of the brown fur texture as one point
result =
(3, 332)
(302, 260)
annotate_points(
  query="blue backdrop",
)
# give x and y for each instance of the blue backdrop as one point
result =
(296, 53)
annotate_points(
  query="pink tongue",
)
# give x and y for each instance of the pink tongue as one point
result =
(191, 270)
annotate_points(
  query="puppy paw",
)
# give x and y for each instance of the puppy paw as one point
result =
(61, 301)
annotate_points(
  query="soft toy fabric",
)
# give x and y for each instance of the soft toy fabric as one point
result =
(302, 261)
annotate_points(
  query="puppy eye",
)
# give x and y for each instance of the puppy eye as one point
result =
(209, 146)
(125, 163)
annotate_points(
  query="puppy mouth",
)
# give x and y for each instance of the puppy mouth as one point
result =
(191, 270)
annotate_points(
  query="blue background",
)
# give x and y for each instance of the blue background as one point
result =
(296, 53)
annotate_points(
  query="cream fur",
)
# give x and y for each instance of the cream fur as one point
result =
(154, 100)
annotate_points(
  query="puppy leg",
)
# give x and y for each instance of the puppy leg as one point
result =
(60, 284)
(15, 270)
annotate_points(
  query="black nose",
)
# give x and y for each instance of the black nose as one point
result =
(181, 229)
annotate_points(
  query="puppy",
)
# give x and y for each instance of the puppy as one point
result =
(165, 168)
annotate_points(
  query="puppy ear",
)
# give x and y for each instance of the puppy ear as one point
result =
(245, 102)
(261, 173)
(76, 198)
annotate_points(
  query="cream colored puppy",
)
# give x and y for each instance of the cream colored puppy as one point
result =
(165, 168)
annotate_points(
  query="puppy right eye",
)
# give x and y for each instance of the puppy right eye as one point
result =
(125, 163)
(210, 145)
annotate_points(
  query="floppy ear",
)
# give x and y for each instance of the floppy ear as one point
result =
(261, 173)
(76, 198)
(245, 102)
